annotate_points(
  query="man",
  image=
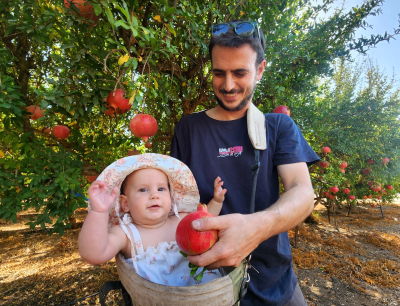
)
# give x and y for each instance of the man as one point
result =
(216, 143)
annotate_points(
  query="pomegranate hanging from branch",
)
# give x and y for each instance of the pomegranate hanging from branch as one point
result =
(143, 126)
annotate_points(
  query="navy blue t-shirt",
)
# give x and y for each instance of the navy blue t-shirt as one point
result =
(212, 148)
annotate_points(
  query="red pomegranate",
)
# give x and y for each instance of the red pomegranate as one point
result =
(194, 242)
(366, 171)
(385, 161)
(91, 178)
(351, 197)
(61, 131)
(331, 196)
(144, 126)
(389, 187)
(370, 183)
(47, 130)
(123, 106)
(31, 109)
(85, 10)
(334, 189)
(370, 161)
(325, 193)
(344, 171)
(323, 164)
(343, 165)
(147, 145)
(346, 190)
(35, 111)
(326, 150)
(38, 114)
(114, 98)
(109, 112)
(282, 109)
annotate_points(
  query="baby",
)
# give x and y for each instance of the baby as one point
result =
(146, 235)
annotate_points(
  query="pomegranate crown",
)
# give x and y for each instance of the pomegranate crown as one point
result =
(202, 207)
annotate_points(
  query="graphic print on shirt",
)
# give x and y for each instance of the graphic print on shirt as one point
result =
(232, 151)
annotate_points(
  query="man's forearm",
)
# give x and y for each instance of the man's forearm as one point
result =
(239, 235)
(290, 210)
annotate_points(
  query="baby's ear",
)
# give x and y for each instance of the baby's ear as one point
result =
(123, 200)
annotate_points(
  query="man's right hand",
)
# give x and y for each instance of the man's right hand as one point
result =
(238, 235)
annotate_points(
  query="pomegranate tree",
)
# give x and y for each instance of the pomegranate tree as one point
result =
(144, 126)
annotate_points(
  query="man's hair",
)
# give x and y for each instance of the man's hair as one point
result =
(231, 40)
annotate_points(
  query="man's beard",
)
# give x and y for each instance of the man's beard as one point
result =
(242, 103)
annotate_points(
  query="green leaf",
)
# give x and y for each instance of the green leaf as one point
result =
(121, 23)
(171, 29)
(109, 16)
(97, 9)
(170, 10)
(134, 32)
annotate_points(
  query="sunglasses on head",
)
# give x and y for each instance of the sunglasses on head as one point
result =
(242, 28)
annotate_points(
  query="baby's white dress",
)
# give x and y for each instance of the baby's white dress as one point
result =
(163, 265)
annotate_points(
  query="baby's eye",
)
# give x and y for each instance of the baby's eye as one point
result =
(142, 190)
(162, 189)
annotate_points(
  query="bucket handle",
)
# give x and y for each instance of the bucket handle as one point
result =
(113, 285)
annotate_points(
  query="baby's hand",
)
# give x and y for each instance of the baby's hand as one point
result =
(100, 200)
(219, 192)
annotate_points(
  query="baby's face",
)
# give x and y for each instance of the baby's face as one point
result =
(147, 197)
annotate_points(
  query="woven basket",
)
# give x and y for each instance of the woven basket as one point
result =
(224, 291)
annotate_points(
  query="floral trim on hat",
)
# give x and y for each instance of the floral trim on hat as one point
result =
(183, 188)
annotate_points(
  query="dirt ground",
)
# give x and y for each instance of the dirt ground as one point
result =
(357, 263)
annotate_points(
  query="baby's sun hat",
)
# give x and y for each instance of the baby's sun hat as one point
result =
(183, 187)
